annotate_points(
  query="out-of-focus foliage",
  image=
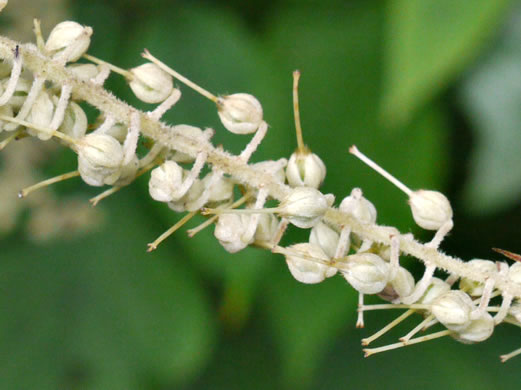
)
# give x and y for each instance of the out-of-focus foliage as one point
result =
(491, 96)
(427, 43)
(98, 312)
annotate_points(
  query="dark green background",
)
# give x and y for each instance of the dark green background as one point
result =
(431, 89)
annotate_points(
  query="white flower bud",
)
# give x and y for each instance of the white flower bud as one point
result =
(308, 271)
(401, 286)
(150, 83)
(514, 273)
(84, 71)
(366, 272)
(471, 287)
(436, 289)
(3, 3)
(74, 122)
(221, 191)
(187, 201)
(358, 207)
(230, 229)
(41, 115)
(240, 113)
(430, 209)
(99, 159)
(164, 180)
(477, 330)
(325, 237)
(305, 169)
(304, 207)
(267, 228)
(452, 309)
(69, 36)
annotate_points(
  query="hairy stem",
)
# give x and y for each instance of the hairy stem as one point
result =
(223, 161)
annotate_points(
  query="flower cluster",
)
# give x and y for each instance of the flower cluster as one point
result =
(469, 303)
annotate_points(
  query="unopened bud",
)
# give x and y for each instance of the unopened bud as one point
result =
(324, 237)
(304, 207)
(99, 159)
(70, 36)
(240, 113)
(358, 207)
(430, 209)
(305, 169)
(230, 229)
(164, 180)
(366, 272)
(471, 287)
(267, 228)
(514, 273)
(41, 115)
(220, 191)
(150, 83)
(401, 286)
(190, 199)
(477, 330)
(452, 309)
(74, 122)
(306, 270)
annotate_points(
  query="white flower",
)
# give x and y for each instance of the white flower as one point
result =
(150, 83)
(324, 237)
(267, 227)
(100, 158)
(41, 115)
(230, 229)
(164, 180)
(70, 39)
(240, 113)
(305, 270)
(472, 287)
(304, 207)
(452, 309)
(358, 207)
(305, 169)
(74, 122)
(477, 330)
(430, 209)
(401, 286)
(366, 272)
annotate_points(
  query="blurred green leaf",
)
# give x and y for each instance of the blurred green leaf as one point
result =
(305, 320)
(428, 42)
(491, 96)
(109, 316)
